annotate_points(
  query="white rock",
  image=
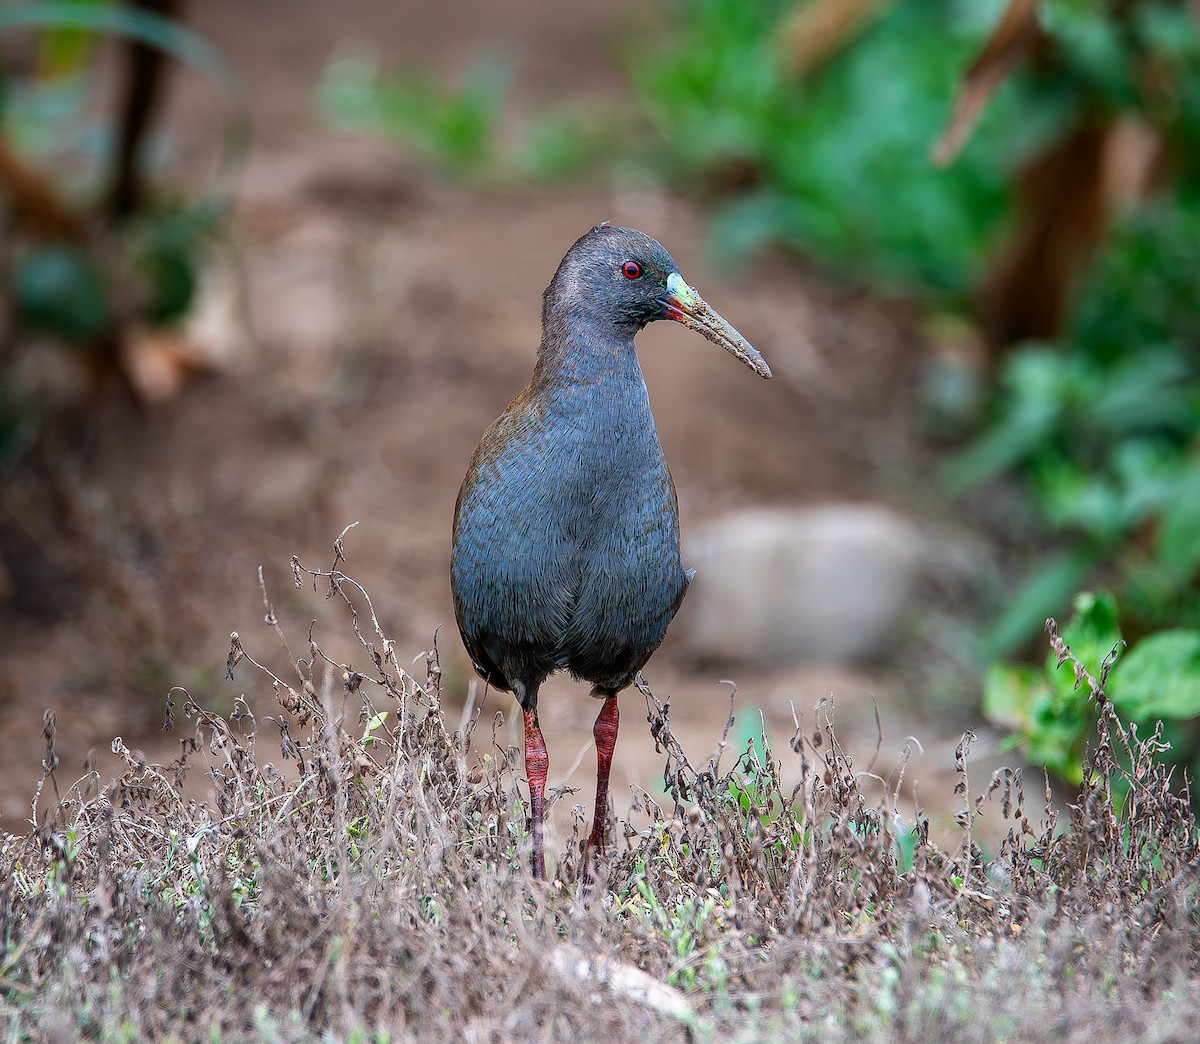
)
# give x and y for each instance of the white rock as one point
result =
(830, 583)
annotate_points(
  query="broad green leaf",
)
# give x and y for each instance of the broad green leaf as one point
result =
(1093, 629)
(1008, 694)
(1160, 678)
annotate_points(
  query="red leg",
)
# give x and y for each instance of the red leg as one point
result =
(605, 733)
(537, 763)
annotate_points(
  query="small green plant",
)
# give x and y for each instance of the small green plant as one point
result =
(457, 128)
(1051, 713)
(464, 130)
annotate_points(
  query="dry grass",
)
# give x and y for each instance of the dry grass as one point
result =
(374, 887)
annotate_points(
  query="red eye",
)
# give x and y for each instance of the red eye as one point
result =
(631, 270)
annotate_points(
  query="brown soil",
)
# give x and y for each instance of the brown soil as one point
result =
(390, 318)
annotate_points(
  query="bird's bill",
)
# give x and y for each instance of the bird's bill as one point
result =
(685, 306)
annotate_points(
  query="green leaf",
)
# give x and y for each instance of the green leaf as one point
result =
(1178, 549)
(172, 283)
(745, 225)
(1075, 498)
(1008, 695)
(167, 247)
(1093, 629)
(1048, 726)
(56, 290)
(558, 145)
(1160, 678)
(456, 127)
(1036, 385)
(1092, 45)
(1044, 592)
(728, 116)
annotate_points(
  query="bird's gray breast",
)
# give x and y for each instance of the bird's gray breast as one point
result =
(622, 528)
(568, 535)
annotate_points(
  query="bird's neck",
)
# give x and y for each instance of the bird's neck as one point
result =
(580, 349)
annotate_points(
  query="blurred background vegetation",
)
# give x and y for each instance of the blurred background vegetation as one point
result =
(1025, 170)
(97, 256)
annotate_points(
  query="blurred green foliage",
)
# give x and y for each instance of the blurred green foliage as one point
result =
(63, 289)
(836, 163)
(787, 161)
(76, 268)
(56, 289)
(1104, 426)
(1049, 710)
(457, 128)
(168, 245)
(465, 130)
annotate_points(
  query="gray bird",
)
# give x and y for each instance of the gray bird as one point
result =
(566, 530)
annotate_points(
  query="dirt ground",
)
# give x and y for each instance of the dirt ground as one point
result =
(366, 322)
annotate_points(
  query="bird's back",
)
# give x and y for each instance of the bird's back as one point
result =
(566, 535)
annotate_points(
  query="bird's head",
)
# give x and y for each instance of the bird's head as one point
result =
(623, 277)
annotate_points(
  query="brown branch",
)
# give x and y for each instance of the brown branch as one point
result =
(819, 30)
(144, 78)
(1012, 41)
(34, 200)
